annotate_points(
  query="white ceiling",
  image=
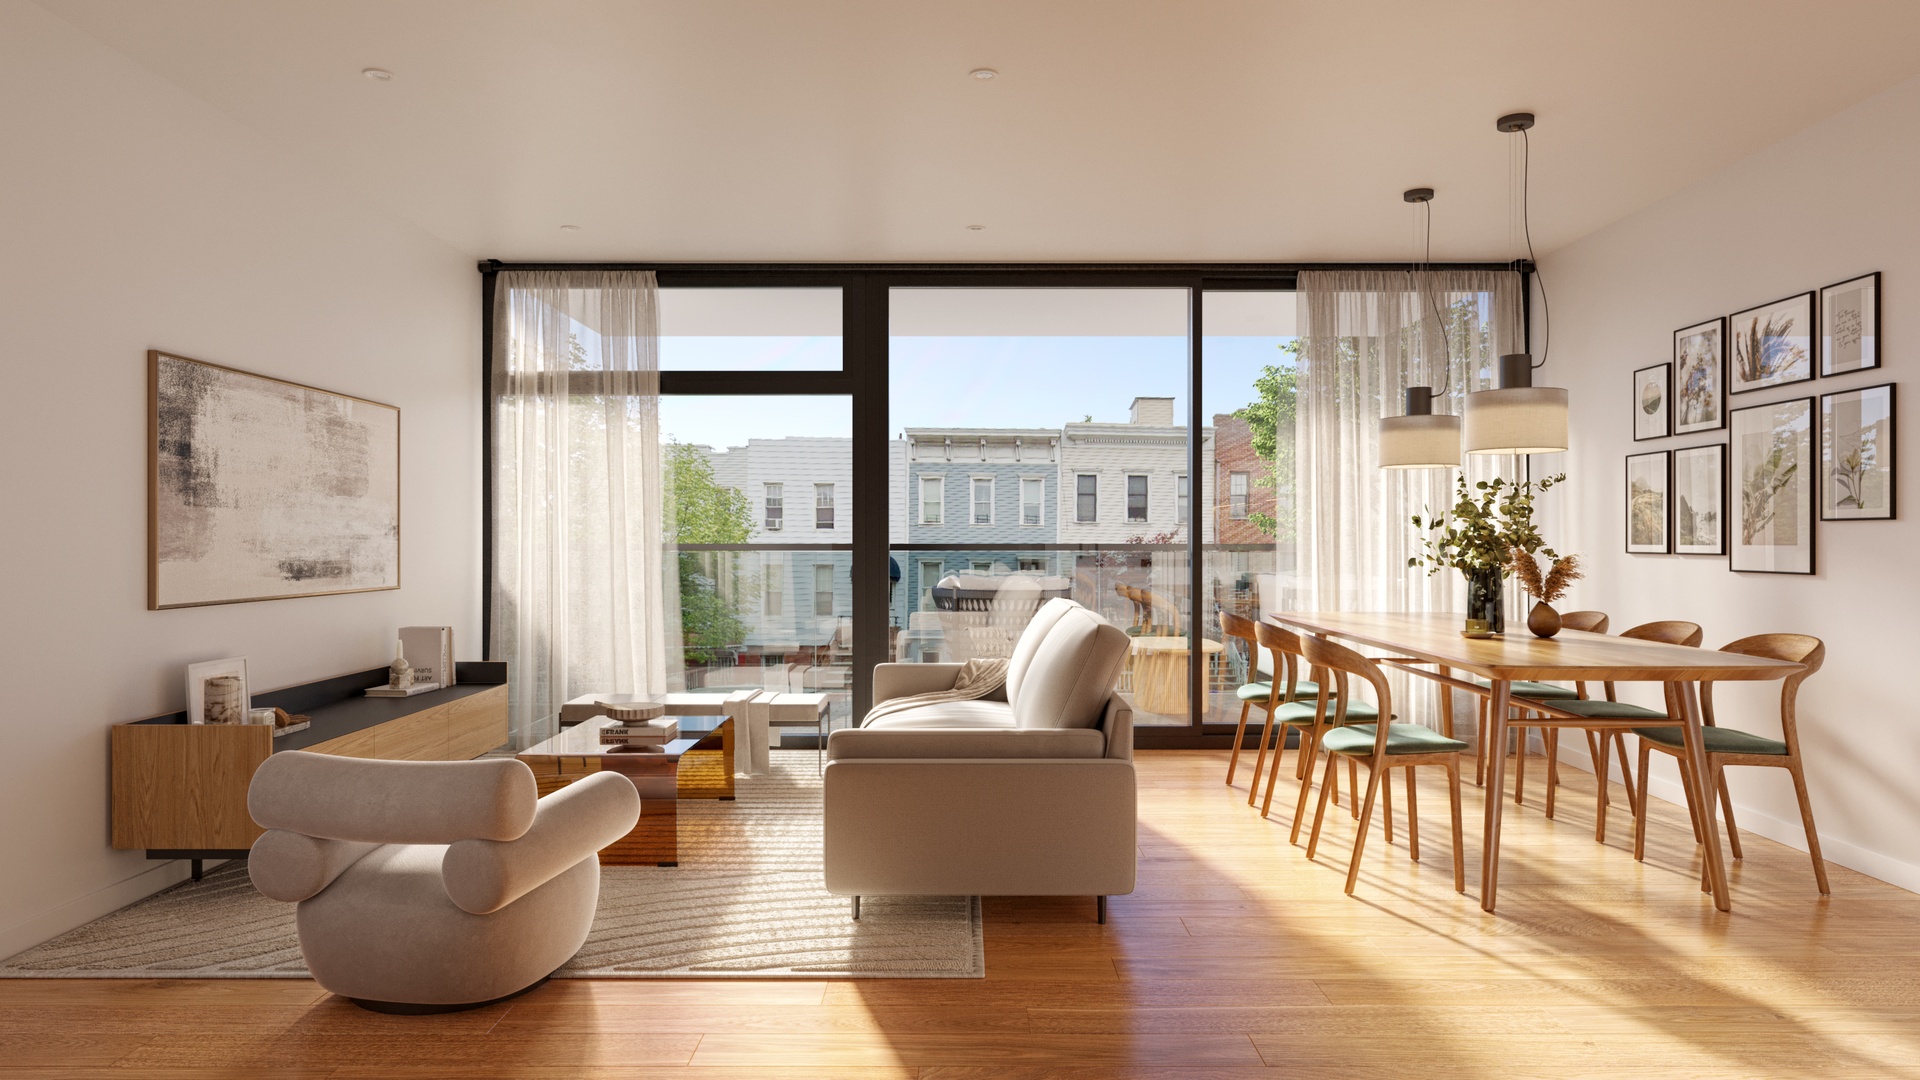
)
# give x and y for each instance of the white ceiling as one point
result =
(834, 131)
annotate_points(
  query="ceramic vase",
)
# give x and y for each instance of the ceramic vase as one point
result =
(1543, 621)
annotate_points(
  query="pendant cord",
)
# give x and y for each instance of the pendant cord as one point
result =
(1526, 225)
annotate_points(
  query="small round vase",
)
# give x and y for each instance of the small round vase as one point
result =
(1543, 621)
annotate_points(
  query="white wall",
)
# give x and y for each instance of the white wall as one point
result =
(1822, 205)
(136, 217)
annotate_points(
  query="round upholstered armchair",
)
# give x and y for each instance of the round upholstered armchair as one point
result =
(432, 886)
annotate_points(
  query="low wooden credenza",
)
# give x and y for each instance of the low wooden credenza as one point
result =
(180, 789)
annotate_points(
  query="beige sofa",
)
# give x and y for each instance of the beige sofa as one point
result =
(1030, 796)
(431, 886)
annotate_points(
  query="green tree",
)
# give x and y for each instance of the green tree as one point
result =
(701, 510)
(1271, 421)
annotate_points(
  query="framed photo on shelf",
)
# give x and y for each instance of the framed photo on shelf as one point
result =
(1773, 344)
(1651, 412)
(1772, 488)
(1647, 504)
(1700, 378)
(1850, 325)
(1700, 500)
(1857, 455)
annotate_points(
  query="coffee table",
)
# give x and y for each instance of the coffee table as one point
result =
(698, 765)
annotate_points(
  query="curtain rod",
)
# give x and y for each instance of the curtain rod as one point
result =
(489, 266)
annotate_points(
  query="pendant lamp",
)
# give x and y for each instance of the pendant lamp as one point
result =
(1518, 417)
(1421, 439)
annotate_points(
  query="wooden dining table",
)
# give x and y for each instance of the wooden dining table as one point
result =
(1413, 639)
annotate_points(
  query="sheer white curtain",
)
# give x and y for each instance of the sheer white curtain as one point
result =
(582, 581)
(1365, 337)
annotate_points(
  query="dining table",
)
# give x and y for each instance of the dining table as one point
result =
(1432, 645)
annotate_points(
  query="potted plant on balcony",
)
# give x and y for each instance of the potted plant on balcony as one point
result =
(1489, 522)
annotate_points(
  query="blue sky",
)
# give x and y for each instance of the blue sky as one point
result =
(1036, 382)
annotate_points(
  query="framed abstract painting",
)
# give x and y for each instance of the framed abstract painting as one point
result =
(263, 489)
(1772, 488)
(1857, 455)
(1700, 378)
(1773, 344)
(1647, 502)
(1651, 402)
(1700, 500)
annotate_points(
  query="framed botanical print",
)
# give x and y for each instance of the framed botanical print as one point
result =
(1700, 378)
(1772, 488)
(1651, 410)
(1772, 344)
(1857, 455)
(1850, 325)
(1700, 500)
(1647, 517)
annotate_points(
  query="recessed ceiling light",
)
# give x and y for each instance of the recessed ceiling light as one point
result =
(569, 228)
(983, 73)
(976, 228)
(377, 74)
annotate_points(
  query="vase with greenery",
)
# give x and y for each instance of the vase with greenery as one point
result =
(1489, 520)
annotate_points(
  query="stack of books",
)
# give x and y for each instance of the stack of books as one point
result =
(656, 732)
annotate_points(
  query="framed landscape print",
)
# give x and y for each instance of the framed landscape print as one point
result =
(1850, 325)
(1772, 488)
(1700, 500)
(260, 489)
(1857, 455)
(1650, 402)
(1700, 378)
(1647, 503)
(1772, 345)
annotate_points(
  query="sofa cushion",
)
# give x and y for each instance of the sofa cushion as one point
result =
(1072, 672)
(1021, 659)
(996, 743)
(946, 714)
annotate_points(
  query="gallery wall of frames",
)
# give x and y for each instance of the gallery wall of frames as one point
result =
(1764, 458)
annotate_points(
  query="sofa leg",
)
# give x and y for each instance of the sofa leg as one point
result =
(856, 907)
(404, 1008)
(1100, 909)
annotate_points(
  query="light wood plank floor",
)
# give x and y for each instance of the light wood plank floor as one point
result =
(1236, 957)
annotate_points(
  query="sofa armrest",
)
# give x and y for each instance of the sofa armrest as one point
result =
(996, 743)
(1117, 722)
(483, 876)
(905, 680)
(292, 867)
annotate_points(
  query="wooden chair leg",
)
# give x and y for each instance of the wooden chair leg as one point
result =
(1626, 774)
(1480, 746)
(1553, 766)
(1386, 808)
(1726, 808)
(1239, 734)
(1519, 759)
(1366, 817)
(1806, 822)
(1597, 743)
(1273, 769)
(1320, 809)
(1309, 747)
(1640, 799)
(1459, 851)
(1413, 817)
(1259, 762)
(1353, 788)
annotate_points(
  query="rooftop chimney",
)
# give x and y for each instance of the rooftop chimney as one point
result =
(1152, 411)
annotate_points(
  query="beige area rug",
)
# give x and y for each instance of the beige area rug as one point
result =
(745, 901)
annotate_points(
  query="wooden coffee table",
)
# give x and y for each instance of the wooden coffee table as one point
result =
(698, 765)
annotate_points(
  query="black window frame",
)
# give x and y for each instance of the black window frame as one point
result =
(1080, 516)
(1145, 497)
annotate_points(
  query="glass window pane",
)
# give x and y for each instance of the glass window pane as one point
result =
(982, 501)
(1136, 498)
(1086, 498)
(750, 329)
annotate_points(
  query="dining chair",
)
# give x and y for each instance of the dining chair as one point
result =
(1667, 632)
(1380, 746)
(1731, 746)
(1593, 622)
(1288, 703)
(1254, 691)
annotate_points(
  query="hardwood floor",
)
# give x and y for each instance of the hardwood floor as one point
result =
(1236, 957)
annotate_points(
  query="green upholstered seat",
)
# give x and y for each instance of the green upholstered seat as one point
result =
(1401, 739)
(1301, 713)
(1254, 691)
(1611, 710)
(1539, 691)
(1719, 740)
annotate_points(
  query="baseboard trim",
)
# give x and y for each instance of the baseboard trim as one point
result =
(81, 910)
(1839, 852)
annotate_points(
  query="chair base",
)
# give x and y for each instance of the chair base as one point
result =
(407, 1008)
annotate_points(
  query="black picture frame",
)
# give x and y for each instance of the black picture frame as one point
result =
(1865, 344)
(1653, 402)
(1686, 522)
(1801, 370)
(1639, 512)
(1885, 448)
(1744, 558)
(1699, 378)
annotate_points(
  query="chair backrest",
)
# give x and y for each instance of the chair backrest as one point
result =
(1240, 628)
(1286, 647)
(1803, 649)
(1593, 622)
(1670, 632)
(1341, 662)
(393, 802)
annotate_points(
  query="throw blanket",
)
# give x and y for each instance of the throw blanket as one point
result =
(978, 678)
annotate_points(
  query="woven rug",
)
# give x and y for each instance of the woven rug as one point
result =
(745, 901)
